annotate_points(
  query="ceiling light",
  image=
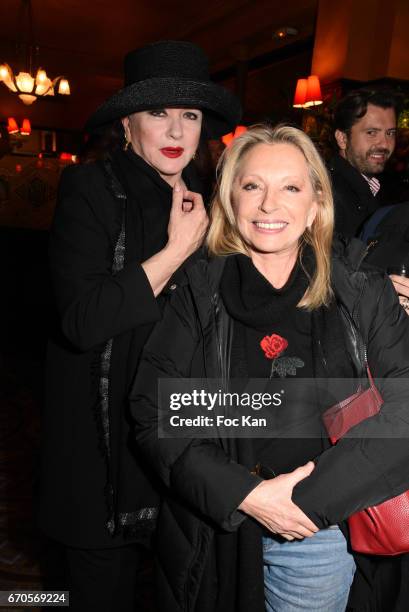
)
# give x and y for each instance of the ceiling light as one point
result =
(284, 32)
(25, 85)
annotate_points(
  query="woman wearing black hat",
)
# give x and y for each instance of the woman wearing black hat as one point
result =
(122, 226)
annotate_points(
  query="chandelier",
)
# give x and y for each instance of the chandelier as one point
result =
(24, 84)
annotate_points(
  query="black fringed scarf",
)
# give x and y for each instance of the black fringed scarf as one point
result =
(144, 201)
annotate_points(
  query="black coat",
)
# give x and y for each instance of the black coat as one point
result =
(353, 199)
(388, 238)
(92, 483)
(208, 479)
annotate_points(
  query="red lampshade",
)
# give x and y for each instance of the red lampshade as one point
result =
(300, 93)
(25, 129)
(313, 96)
(68, 157)
(227, 139)
(240, 129)
(12, 126)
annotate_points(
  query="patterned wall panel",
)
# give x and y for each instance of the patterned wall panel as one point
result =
(28, 189)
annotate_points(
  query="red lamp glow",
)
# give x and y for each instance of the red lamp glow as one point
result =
(68, 157)
(12, 126)
(300, 93)
(227, 139)
(313, 96)
(240, 129)
(25, 129)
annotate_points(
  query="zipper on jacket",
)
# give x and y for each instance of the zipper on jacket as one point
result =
(355, 318)
(215, 302)
(324, 361)
(370, 246)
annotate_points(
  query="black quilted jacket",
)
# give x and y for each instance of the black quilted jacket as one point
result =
(207, 479)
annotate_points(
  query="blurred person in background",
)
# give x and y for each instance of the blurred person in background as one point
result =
(365, 133)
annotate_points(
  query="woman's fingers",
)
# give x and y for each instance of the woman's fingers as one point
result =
(177, 196)
(193, 197)
(184, 200)
(404, 301)
(299, 473)
(270, 503)
(297, 531)
(187, 223)
(187, 206)
(401, 284)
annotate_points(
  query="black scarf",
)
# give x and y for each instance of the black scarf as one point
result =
(251, 299)
(144, 216)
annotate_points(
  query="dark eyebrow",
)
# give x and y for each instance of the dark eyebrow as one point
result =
(374, 129)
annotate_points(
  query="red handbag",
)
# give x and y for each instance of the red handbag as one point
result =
(381, 529)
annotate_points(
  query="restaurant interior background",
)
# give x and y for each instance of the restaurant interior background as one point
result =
(257, 48)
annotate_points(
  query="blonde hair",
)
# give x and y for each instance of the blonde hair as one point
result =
(224, 237)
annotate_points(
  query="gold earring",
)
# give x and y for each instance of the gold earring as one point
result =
(127, 143)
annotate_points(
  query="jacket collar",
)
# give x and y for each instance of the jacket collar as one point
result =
(350, 175)
(204, 272)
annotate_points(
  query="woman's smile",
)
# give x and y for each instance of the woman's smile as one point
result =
(270, 226)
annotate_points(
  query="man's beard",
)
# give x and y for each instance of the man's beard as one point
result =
(365, 164)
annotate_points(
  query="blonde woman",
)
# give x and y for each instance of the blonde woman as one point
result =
(273, 299)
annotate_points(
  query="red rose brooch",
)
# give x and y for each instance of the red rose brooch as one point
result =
(273, 346)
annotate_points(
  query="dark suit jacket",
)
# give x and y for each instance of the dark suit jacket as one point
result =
(353, 199)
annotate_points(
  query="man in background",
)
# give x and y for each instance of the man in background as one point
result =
(365, 132)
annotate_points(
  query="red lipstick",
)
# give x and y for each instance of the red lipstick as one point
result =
(172, 152)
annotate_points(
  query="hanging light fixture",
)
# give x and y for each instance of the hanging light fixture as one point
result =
(24, 84)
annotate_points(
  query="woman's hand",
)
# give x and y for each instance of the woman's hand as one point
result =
(188, 222)
(401, 284)
(270, 504)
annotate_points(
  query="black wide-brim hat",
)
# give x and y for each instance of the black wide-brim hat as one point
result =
(170, 74)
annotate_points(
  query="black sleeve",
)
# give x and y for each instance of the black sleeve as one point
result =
(197, 470)
(370, 464)
(94, 304)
